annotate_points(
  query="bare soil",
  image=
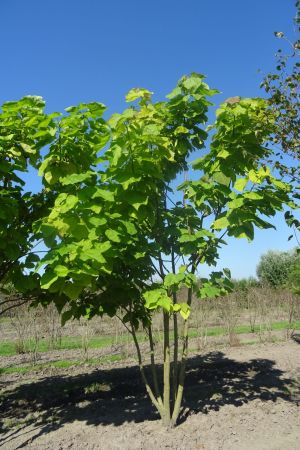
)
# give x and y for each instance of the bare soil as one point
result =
(238, 398)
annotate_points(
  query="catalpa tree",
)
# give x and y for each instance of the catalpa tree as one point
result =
(124, 239)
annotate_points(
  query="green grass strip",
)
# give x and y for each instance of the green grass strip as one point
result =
(245, 329)
(8, 348)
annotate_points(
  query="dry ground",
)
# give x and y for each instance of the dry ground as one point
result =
(238, 398)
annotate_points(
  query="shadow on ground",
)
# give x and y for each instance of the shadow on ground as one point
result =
(296, 337)
(117, 395)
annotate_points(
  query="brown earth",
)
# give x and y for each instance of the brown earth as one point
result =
(246, 397)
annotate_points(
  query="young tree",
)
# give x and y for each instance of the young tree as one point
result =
(123, 239)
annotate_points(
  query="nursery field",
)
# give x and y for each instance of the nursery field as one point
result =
(79, 385)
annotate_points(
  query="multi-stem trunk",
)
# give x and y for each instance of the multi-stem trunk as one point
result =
(168, 408)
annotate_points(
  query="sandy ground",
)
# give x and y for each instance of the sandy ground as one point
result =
(246, 397)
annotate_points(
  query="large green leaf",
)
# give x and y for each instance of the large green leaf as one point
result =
(221, 223)
(240, 184)
(106, 195)
(61, 271)
(136, 93)
(72, 291)
(185, 310)
(47, 279)
(75, 178)
(113, 235)
(173, 279)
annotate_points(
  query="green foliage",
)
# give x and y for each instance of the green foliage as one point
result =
(24, 130)
(275, 267)
(293, 279)
(158, 298)
(218, 284)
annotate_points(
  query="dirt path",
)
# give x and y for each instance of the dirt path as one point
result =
(241, 398)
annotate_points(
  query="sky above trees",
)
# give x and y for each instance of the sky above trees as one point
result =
(75, 51)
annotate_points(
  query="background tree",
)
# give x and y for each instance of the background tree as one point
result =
(275, 267)
(282, 88)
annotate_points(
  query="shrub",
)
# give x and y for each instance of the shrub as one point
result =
(275, 266)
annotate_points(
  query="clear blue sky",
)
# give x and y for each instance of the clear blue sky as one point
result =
(72, 51)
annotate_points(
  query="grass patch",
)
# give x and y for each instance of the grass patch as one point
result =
(62, 364)
(8, 348)
(4, 319)
(245, 329)
(37, 367)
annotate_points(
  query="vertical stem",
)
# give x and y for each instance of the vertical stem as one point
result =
(153, 368)
(175, 332)
(175, 355)
(166, 399)
(161, 267)
(181, 375)
(185, 177)
(147, 385)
